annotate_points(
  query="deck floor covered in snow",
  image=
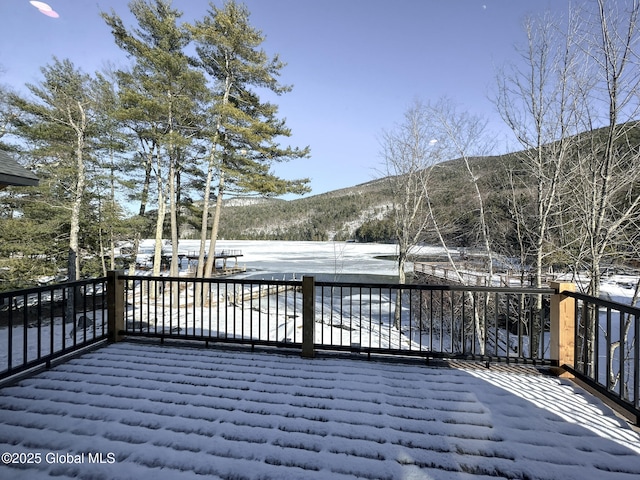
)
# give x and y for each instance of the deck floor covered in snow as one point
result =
(173, 412)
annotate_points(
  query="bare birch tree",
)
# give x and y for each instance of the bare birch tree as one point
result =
(605, 198)
(429, 134)
(464, 136)
(605, 195)
(409, 151)
(573, 107)
(537, 102)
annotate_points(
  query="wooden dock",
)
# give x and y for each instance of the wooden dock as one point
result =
(223, 255)
(237, 298)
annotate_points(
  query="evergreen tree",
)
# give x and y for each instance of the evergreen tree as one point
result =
(33, 240)
(58, 124)
(113, 145)
(243, 129)
(7, 114)
(161, 95)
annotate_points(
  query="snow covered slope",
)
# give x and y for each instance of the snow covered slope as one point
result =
(171, 412)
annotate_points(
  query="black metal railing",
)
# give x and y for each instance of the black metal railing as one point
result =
(227, 310)
(37, 325)
(41, 324)
(435, 321)
(430, 321)
(607, 351)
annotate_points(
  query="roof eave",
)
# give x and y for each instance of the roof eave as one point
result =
(6, 180)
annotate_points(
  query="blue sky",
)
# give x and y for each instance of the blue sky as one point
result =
(356, 65)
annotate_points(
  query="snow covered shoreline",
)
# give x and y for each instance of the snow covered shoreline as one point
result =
(269, 258)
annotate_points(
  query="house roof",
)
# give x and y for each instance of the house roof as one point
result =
(167, 412)
(12, 173)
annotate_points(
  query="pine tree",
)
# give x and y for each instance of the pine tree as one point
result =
(58, 122)
(243, 129)
(113, 145)
(161, 95)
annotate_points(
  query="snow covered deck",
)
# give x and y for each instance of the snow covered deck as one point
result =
(137, 410)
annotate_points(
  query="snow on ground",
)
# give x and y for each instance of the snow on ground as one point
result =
(51, 337)
(172, 412)
(236, 311)
(619, 288)
(369, 322)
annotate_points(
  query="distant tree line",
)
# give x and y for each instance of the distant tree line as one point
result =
(376, 231)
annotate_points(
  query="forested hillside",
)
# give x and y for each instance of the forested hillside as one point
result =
(364, 212)
(330, 216)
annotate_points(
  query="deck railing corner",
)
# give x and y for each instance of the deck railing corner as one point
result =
(115, 305)
(562, 329)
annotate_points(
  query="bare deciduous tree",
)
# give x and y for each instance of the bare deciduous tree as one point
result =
(464, 136)
(409, 151)
(605, 197)
(574, 110)
(429, 134)
(537, 102)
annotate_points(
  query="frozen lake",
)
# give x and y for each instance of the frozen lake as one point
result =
(265, 258)
(343, 261)
(325, 260)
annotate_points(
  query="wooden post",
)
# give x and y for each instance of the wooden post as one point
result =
(308, 316)
(115, 305)
(563, 324)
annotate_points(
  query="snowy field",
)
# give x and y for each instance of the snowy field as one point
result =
(136, 411)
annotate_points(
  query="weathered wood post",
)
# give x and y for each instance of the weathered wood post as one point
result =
(115, 304)
(308, 316)
(563, 324)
